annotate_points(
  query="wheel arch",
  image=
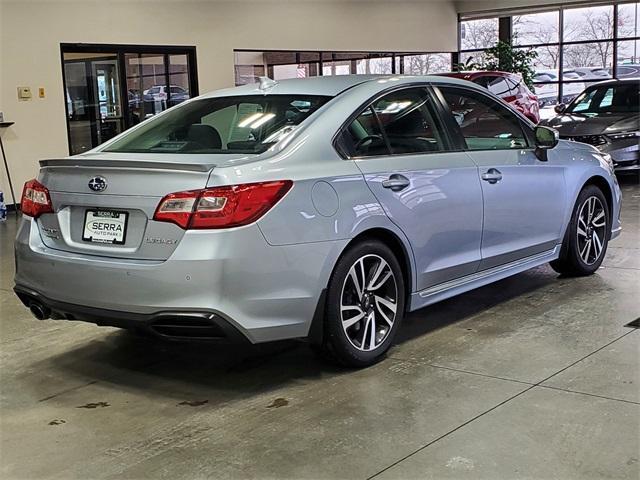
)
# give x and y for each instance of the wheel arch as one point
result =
(604, 186)
(400, 250)
(397, 246)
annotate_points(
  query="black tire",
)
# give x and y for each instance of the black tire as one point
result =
(572, 261)
(341, 344)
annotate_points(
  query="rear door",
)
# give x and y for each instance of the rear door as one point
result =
(523, 196)
(429, 191)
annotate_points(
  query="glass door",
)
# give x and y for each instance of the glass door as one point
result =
(108, 109)
(92, 90)
(109, 88)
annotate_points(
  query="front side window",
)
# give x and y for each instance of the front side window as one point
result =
(242, 124)
(402, 122)
(484, 123)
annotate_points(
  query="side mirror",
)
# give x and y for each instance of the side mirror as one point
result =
(546, 138)
(560, 108)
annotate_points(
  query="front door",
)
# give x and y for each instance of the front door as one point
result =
(430, 192)
(523, 196)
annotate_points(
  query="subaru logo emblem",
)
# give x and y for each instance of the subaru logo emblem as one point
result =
(98, 184)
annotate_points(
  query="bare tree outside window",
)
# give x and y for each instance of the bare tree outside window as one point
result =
(427, 64)
(378, 66)
(541, 29)
(476, 34)
(629, 20)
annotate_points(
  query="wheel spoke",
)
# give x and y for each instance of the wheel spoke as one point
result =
(346, 323)
(585, 251)
(387, 303)
(347, 308)
(581, 221)
(353, 273)
(581, 232)
(376, 281)
(597, 245)
(367, 323)
(597, 218)
(372, 330)
(384, 315)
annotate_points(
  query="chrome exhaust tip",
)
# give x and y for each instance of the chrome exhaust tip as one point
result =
(39, 311)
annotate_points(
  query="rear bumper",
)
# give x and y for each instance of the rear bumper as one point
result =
(169, 325)
(265, 292)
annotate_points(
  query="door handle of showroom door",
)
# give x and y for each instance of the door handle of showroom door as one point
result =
(396, 182)
(492, 176)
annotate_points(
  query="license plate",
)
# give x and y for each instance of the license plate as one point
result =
(105, 226)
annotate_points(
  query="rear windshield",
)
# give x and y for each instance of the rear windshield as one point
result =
(243, 124)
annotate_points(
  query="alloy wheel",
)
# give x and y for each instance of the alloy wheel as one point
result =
(591, 229)
(369, 301)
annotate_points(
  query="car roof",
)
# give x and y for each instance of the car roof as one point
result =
(476, 73)
(614, 81)
(327, 85)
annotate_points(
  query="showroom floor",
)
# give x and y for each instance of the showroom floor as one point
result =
(533, 377)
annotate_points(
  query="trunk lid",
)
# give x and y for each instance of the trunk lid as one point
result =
(135, 184)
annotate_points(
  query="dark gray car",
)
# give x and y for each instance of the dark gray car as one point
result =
(605, 115)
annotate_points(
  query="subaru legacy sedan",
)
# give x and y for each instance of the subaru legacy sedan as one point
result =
(322, 208)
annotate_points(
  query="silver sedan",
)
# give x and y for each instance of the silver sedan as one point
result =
(321, 208)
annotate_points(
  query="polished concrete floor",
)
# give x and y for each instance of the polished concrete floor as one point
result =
(534, 377)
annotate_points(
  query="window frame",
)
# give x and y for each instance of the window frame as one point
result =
(450, 145)
(505, 33)
(525, 124)
(120, 51)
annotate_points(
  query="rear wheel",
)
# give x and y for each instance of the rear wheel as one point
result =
(585, 242)
(365, 304)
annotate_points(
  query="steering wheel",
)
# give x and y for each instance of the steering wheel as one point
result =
(369, 138)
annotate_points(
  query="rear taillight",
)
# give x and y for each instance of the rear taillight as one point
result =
(221, 207)
(35, 199)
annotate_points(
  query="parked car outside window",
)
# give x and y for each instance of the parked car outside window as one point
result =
(507, 86)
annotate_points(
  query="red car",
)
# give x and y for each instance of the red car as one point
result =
(508, 86)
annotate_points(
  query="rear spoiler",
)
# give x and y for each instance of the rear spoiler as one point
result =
(104, 163)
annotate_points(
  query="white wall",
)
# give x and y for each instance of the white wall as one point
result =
(31, 32)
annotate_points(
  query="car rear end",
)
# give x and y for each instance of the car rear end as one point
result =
(166, 241)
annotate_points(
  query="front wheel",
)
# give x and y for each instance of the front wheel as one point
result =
(365, 304)
(585, 242)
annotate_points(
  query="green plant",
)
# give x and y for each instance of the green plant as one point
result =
(505, 58)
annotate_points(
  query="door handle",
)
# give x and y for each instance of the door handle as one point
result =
(396, 182)
(492, 176)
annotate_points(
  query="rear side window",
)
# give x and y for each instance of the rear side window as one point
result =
(401, 122)
(363, 137)
(484, 123)
(499, 87)
(514, 86)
